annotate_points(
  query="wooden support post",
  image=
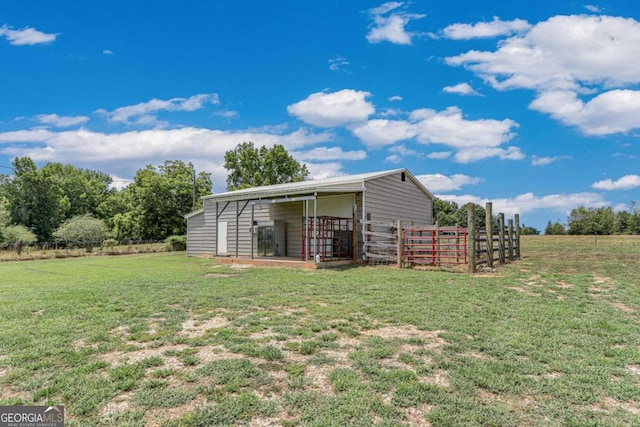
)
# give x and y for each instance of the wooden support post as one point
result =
(367, 239)
(400, 243)
(517, 230)
(501, 245)
(471, 243)
(489, 226)
(354, 239)
(510, 239)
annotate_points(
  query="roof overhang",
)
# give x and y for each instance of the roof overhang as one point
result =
(282, 195)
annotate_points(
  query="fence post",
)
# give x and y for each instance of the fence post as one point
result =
(517, 217)
(501, 246)
(400, 243)
(471, 243)
(489, 233)
(510, 239)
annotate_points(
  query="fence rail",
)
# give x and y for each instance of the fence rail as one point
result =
(393, 242)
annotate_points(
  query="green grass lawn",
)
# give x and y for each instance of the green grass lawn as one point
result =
(160, 339)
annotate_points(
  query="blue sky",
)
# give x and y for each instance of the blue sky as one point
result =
(534, 108)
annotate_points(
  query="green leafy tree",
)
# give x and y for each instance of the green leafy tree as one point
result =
(83, 189)
(584, 220)
(634, 220)
(159, 198)
(529, 231)
(479, 215)
(622, 223)
(41, 199)
(555, 228)
(4, 215)
(35, 200)
(84, 230)
(249, 166)
(445, 212)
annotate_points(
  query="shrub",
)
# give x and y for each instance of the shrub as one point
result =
(176, 243)
(19, 235)
(109, 243)
(83, 229)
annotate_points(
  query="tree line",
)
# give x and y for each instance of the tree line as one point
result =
(35, 202)
(62, 202)
(603, 221)
(581, 220)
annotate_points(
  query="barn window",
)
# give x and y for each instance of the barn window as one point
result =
(403, 176)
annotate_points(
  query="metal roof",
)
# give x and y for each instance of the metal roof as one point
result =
(340, 184)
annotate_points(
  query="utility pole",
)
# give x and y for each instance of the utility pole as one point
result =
(193, 186)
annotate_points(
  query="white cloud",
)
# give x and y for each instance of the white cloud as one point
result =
(338, 63)
(61, 121)
(592, 8)
(380, 132)
(395, 98)
(390, 112)
(227, 114)
(627, 182)
(26, 36)
(529, 202)
(121, 154)
(564, 52)
(144, 112)
(393, 158)
(461, 89)
(325, 170)
(322, 154)
(473, 139)
(495, 28)
(342, 108)
(107, 52)
(440, 155)
(610, 112)
(439, 182)
(474, 154)
(543, 161)
(389, 22)
(404, 151)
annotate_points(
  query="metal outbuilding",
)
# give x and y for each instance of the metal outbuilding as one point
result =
(314, 221)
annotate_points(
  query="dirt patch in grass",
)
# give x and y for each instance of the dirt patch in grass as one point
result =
(609, 405)
(210, 354)
(193, 328)
(218, 275)
(439, 378)
(119, 404)
(160, 416)
(117, 358)
(431, 338)
(415, 416)
(563, 285)
(623, 307)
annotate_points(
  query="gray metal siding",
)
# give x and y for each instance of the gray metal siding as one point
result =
(290, 213)
(199, 236)
(391, 199)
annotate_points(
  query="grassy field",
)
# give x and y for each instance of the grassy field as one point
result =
(160, 339)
